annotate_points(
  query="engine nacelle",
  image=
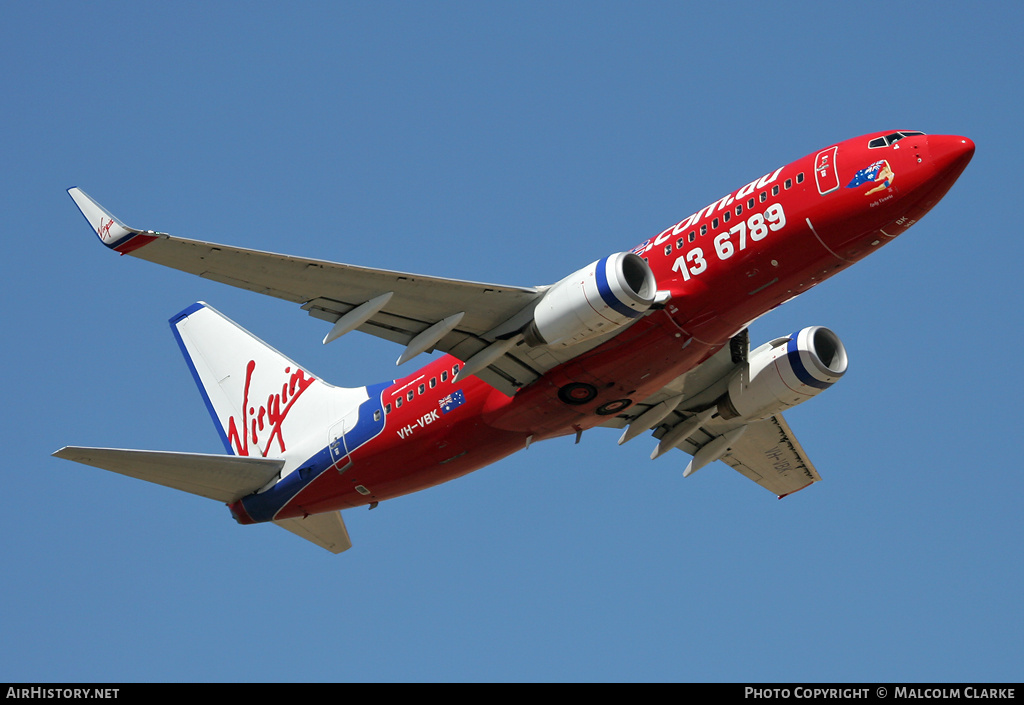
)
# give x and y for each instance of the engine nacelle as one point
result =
(601, 297)
(784, 373)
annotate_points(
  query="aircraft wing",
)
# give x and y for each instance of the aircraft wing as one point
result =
(769, 454)
(404, 308)
(765, 451)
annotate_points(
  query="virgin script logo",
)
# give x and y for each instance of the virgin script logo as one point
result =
(268, 417)
(104, 229)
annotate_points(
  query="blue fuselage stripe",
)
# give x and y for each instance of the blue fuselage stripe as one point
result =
(265, 505)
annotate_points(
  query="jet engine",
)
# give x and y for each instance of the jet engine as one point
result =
(784, 373)
(601, 297)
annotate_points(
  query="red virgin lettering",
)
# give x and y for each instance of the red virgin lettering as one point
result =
(104, 231)
(268, 416)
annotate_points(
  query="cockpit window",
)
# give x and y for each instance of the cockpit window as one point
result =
(891, 139)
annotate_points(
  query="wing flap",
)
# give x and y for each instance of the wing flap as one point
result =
(329, 290)
(325, 530)
(770, 455)
(225, 478)
(420, 298)
(766, 452)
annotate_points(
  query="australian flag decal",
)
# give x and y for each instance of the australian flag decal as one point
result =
(452, 401)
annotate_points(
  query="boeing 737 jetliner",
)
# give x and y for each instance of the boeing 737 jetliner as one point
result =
(649, 339)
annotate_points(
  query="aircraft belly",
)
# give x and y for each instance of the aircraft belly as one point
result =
(394, 468)
(618, 375)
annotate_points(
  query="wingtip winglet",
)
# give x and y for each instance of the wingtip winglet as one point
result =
(111, 231)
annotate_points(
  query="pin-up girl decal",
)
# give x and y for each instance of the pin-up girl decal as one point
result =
(880, 172)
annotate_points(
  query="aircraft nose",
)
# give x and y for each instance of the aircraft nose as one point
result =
(950, 153)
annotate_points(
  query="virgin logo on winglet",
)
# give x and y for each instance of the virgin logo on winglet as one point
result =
(268, 417)
(104, 229)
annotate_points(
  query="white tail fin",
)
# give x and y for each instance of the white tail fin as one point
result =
(264, 405)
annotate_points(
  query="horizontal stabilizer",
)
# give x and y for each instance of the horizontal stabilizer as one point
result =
(325, 530)
(225, 478)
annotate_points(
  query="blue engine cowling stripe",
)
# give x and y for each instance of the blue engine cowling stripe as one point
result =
(608, 295)
(797, 365)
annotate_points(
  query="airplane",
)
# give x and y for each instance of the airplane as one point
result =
(648, 339)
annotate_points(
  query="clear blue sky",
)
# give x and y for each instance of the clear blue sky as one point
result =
(513, 143)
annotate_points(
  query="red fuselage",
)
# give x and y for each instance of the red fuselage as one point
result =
(723, 267)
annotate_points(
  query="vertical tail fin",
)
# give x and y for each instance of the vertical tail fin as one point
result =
(262, 403)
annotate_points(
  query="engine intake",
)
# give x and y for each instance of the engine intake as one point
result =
(784, 373)
(598, 299)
